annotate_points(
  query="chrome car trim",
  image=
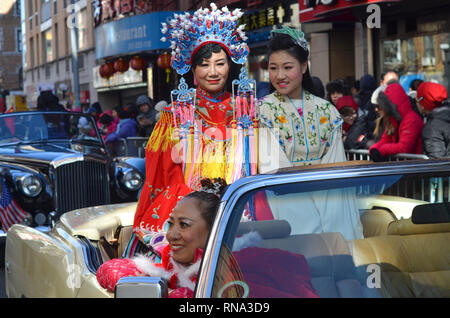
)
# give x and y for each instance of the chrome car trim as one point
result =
(68, 159)
(90, 254)
(237, 189)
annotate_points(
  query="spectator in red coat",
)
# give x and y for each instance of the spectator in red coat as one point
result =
(402, 125)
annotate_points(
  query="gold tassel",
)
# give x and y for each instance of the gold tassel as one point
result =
(163, 135)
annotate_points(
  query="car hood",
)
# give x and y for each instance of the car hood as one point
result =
(37, 157)
(96, 222)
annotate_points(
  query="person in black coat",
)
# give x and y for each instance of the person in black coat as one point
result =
(432, 103)
(356, 132)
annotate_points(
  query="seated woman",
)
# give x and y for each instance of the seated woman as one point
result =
(189, 226)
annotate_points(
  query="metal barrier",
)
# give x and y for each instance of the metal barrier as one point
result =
(363, 154)
(430, 189)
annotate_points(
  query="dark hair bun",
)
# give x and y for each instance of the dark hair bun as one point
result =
(214, 185)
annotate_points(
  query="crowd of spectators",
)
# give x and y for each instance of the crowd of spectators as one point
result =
(387, 120)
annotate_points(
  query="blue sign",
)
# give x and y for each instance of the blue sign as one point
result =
(406, 80)
(131, 35)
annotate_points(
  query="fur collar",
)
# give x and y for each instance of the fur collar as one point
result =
(186, 276)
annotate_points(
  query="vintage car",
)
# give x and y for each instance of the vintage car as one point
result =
(355, 229)
(55, 162)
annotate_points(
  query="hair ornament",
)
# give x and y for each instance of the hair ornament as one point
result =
(297, 35)
(188, 32)
(214, 186)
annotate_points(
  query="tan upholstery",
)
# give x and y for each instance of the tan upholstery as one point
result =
(412, 265)
(406, 227)
(332, 269)
(375, 222)
(114, 249)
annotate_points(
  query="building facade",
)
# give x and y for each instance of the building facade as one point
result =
(10, 46)
(48, 63)
(351, 38)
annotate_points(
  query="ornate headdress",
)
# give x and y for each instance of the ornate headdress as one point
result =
(187, 33)
(297, 35)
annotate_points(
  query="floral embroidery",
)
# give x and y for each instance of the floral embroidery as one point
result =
(303, 133)
(282, 119)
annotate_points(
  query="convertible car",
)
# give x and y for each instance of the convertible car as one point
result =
(55, 162)
(356, 229)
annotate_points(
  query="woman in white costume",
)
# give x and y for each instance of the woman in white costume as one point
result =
(308, 128)
(298, 128)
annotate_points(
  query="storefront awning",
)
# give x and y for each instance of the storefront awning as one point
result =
(332, 10)
(131, 35)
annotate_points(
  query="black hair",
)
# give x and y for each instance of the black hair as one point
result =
(318, 86)
(390, 110)
(415, 84)
(205, 52)
(335, 86)
(284, 42)
(105, 119)
(209, 198)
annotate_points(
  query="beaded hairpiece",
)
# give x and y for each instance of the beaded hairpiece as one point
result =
(213, 186)
(297, 35)
(187, 33)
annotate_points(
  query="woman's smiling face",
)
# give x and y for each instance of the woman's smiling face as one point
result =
(286, 74)
(188, 230)
(212, 73)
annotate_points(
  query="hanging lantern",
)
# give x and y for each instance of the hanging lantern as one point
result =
(137, 63)
(163, 62)
(121, 65)
(106, 70)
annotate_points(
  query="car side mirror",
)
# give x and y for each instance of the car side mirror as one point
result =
(141, 287)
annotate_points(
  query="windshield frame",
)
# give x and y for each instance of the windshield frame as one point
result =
(98, 141)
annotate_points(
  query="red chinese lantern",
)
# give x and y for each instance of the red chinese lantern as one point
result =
(137, 63)
(163, 62)
(106, 70)
(121, 65)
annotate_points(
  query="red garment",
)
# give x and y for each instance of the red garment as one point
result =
(274, 273)
(154, 217)
(431, 94)
(181, 279)
(349, 101)
(407, 136)
(163, 167)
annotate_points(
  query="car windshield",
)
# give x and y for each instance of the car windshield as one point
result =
(36, 127)
(344, 237)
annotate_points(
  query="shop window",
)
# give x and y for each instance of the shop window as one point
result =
(427, 57)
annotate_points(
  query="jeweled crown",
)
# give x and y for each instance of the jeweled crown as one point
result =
(187, 33)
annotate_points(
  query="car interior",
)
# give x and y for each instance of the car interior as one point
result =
(397, 256)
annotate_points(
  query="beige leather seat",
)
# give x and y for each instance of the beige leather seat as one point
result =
(414, 259)
(332, 269)
(375, 222)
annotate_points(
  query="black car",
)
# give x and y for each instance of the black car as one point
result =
(55, 162)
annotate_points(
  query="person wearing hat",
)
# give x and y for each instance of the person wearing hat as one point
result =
(432, 103)
(147, 116)
(356, 133)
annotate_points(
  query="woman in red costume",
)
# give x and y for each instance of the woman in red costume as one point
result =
(208, 43)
